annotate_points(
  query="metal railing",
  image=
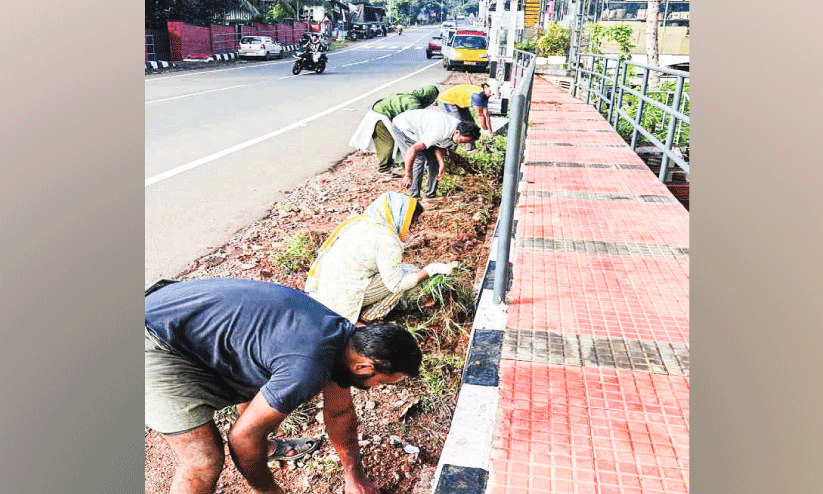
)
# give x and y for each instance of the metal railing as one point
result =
(606, 80)
(520, 104)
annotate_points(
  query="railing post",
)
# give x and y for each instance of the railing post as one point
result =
(504, 236)
(576, 76)
(602, 89)
(664, 163)
(640, 104)
(591, 76)
(614, 91)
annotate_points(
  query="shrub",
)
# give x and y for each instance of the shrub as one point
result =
(556, 41)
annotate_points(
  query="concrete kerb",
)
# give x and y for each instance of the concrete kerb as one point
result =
(464, 464)
(153, 67)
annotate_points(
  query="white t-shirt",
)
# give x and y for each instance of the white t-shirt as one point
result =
(433, 127)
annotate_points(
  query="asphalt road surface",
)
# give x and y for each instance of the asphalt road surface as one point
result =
(222, 145)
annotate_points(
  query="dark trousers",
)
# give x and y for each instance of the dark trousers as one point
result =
(425, 159)
(383, 144)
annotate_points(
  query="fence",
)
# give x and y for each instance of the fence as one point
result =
(198, 42)
(520, 104)
(607, 80)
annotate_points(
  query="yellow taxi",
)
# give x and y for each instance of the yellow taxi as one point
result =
(466, 49)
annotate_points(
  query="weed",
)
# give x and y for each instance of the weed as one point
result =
(439, 374)
(294, 422)
(298, 253)
(447, 185)
(325, 464)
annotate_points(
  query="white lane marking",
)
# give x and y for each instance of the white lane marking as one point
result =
(258, 64)
(385, 56)
(243, 145)
(194, 94)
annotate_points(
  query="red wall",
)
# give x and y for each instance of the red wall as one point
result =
(188, 41)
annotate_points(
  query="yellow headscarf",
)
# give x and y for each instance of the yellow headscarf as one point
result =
(391, 210)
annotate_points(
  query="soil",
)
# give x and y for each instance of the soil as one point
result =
(403, 427)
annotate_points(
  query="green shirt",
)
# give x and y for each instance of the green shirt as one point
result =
(397, 103)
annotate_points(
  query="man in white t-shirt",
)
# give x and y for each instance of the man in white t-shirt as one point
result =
(422, 136)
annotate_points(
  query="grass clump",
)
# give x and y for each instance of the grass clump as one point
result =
(297, 253)
(440, 375)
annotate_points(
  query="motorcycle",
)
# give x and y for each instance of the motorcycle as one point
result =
(310, 61)
(399, 30)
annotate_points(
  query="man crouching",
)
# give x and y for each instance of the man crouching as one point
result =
(267, 348)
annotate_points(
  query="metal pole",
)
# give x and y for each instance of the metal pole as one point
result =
(507, 201)
(589, 87)
(664, 163)
(640, 105)
(620, 99)
(614, 91)
(602, 85)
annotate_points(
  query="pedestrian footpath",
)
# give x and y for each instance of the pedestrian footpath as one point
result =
(592, 390)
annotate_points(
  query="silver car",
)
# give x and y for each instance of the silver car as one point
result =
(259, 46)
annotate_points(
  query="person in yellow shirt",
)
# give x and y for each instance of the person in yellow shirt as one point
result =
(457, 101)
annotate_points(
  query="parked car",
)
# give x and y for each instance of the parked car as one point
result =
(466, 49)
(446, 26)
(259, 46)
(360, 31)
(434, 47)
(377, 29)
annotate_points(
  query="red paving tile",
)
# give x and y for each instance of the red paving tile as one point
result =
(556, 136)
(588, 429)
(571, 154)
(608, 221)
(616, 296)
(637, 181)
(592, 430)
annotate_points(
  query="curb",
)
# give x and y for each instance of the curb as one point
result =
(464, 464)
(157, 67)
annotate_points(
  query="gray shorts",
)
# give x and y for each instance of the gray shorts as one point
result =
(182, 395)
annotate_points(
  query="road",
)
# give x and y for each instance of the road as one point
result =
(222, 145)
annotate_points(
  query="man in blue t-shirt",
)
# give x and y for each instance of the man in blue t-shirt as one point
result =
(266, 348)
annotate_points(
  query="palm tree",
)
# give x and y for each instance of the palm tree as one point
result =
(652, 47)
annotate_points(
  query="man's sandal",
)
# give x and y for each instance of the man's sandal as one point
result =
(302, 446)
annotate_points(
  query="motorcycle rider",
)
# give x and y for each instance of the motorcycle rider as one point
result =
(315, 45)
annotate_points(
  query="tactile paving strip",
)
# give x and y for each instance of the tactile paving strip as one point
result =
(583, 350)
(575, 144)
(591, 196)
(563, 164)
(602, 248)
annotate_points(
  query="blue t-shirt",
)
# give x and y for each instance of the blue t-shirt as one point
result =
(253, 332)
(480, 100)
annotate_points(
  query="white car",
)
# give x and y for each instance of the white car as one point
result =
(446, 27)
(259, 46)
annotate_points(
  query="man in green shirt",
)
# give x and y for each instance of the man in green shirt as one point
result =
(373, 133)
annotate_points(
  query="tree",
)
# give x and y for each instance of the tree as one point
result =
(652, 46)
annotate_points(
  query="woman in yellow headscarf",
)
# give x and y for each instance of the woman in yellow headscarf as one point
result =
(359, 265)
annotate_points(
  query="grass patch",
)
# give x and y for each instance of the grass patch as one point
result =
(294, 422)
(296, 254)
(439, 374)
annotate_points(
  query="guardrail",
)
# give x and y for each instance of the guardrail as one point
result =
(520, 104)
(607, 81)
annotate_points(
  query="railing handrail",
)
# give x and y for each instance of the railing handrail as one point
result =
(663, 70)
(518, 125)
(611, 90)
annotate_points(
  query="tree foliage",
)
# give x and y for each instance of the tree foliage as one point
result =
(555, 42)
(198, 12)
